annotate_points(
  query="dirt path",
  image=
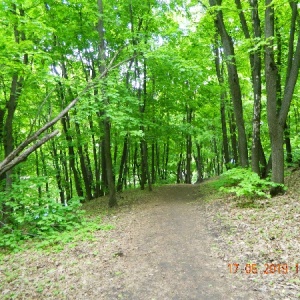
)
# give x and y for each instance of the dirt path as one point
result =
(163, 251)
(159, 250)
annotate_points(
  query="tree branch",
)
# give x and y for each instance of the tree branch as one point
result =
(15, 157)
(28, 151)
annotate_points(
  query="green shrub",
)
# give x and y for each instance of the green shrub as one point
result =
(244, 182)
(25, 215)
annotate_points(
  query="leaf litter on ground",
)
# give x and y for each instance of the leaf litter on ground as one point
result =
(265, 233)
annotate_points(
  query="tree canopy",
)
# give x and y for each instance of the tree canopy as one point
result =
(101, 96)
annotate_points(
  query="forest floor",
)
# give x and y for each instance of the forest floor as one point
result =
(177, 242)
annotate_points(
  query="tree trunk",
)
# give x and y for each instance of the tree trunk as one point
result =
(83, 164)
(45, 172)
(123, 162)
(256, 65)
(106, 122)
(234, 84)
(233, 139)
(166, 160)
(66, 128)
(153, 174)
(58, 174)
(188, 178)
(219, 71)
(288, 145)
(277, 118)
(179, 170)
(96, 161)
(198, 160)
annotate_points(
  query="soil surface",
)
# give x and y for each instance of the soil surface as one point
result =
(161, 248)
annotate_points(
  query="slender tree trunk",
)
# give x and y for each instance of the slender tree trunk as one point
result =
(83, 164)
(136, 169)
(45, 172)
(122, 170)
(188, 178)
(179, 169)
(58, 175)
(219, 70)
(288, 145)
(106, 121)
(167, 160)
(98, 192)
(153, 173)
(65, 174)
(66, 128)
(234, 84)
(198, 160)
(157, 152)
(38, 174)
(233, 139)
(144, 145)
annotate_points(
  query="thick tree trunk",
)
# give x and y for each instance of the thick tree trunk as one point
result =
(277, 118)
(271, 87)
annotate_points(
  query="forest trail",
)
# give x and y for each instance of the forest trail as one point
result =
(160, 249)
(163, 251)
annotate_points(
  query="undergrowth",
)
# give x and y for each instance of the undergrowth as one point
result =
(41, 221)
(243, 182)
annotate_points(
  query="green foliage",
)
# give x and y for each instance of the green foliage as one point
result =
(29, 216)
(244, 182)
(84, 231)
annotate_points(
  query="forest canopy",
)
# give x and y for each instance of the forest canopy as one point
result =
(101, 96)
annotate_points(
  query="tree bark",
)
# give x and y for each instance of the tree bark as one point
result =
(219, 71)
(106, 122)
(123, 163)
(188, 177)
(256, 65)
(234, 84)
(277, 117)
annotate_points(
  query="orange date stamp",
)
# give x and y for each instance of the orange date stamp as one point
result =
(263, 269)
